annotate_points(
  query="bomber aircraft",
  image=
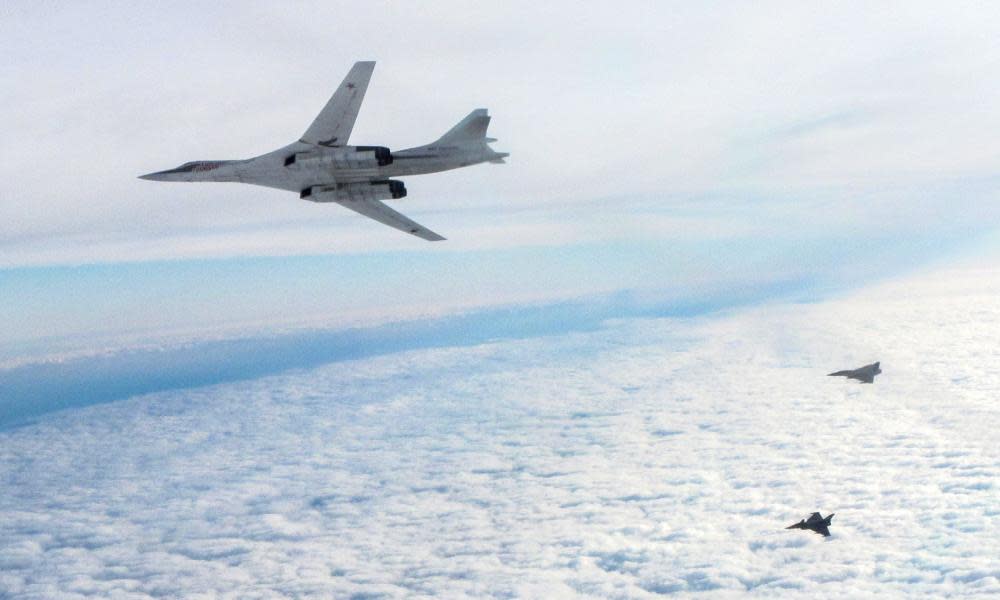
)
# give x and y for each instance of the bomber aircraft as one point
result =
(321, 166)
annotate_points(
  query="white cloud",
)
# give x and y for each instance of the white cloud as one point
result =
(649, 457)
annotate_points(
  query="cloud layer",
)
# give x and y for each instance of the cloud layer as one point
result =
(645, 458)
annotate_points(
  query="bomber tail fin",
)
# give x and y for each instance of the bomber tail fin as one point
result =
(470, 132)
(470, 129)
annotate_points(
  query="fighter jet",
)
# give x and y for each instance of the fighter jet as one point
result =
(816, 523)
(321, 166)
(865, 374)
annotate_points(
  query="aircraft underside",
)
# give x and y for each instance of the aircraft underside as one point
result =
(321, 167)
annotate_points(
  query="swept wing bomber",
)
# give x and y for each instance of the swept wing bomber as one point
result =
(321, 166)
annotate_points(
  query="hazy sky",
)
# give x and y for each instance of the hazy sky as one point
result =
(611, 372)
(654, 145)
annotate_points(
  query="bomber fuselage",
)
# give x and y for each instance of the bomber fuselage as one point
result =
(299, 166)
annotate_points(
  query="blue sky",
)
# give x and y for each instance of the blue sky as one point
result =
(171, 325)
(48, 310)
(667, 149)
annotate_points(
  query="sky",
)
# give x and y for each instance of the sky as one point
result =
(654, 147)
(604, 383)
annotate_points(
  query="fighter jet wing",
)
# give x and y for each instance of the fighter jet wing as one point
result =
(815, 517)
(866, 378)
(374, 209)
(824, 530)
(334, 123)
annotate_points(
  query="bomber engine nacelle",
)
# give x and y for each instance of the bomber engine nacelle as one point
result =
(389, 189)
(346, 157)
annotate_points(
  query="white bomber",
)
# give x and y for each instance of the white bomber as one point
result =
(321, 167)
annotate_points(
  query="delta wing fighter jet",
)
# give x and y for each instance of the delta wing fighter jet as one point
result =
(322, 167)
(816, 523)
(865, 374)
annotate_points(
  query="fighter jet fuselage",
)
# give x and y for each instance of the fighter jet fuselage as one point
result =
(865, 374)
(321, 167)
(815, 523)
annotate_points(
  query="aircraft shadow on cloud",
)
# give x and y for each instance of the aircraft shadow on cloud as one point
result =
(322, 167)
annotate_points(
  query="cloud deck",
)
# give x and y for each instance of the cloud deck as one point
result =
(648, 457)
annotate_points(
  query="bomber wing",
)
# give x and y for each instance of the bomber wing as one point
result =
(334, 123)
(374, 209)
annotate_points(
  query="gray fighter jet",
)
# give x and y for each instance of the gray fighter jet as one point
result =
(322, 167)
(865, 374)
(816, 523)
